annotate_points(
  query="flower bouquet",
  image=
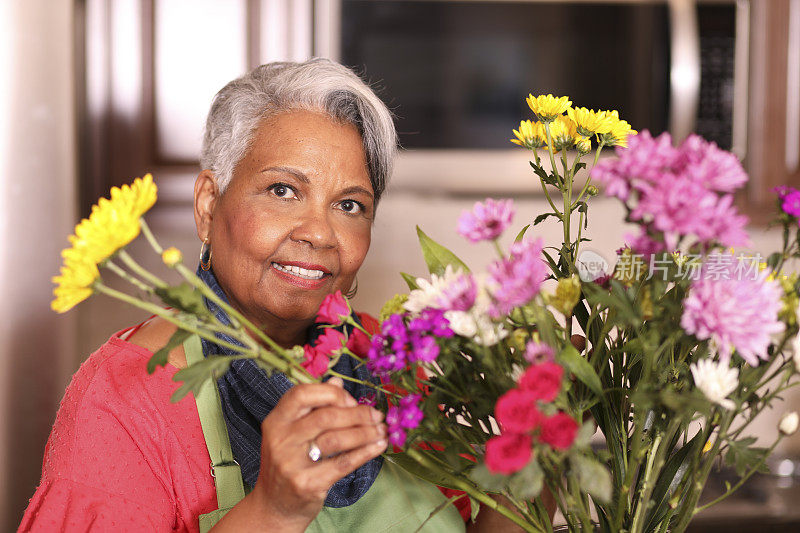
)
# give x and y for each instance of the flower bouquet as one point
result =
(616, 389)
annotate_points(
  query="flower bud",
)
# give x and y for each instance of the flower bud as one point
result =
(171, 256)
(788, 424)
(591, 190)
(568, 292)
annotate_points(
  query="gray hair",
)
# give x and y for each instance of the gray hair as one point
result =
(318, 85)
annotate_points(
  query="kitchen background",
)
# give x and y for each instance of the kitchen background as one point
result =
(96, 92)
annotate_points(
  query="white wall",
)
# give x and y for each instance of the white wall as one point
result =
(37, 199)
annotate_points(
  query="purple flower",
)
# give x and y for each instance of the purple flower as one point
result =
(538, 352)
(431, 321)
(517, 279)
(460, 294)
(410, 413)
(388, 351)
(425, 349)
(487, 220)
(406, 415)
(735, 311)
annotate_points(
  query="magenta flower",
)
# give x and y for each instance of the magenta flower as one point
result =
(733, 310)
(487, 220)
(517, 279)
(791, 203)
(333, 309)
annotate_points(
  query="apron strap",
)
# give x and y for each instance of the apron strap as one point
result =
(224, 468)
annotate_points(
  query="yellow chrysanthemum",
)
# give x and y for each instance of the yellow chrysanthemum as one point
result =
(547, 108)
(620, 130)
(74, 284)
(563, 133)
(530, 134)
(590, 122)
(114, 223)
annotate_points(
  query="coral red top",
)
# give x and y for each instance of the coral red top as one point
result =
(121, 456)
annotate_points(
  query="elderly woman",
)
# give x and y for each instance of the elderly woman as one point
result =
(295, 159)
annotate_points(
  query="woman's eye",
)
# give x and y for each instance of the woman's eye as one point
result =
(351, 206)
(282, 191)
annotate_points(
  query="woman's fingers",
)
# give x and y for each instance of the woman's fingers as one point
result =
(327, 418)
(302, 399)
(338, 441)
(327, 472)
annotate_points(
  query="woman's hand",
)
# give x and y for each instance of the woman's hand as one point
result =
(291, 488)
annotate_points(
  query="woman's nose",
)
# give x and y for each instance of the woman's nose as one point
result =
(314, 227)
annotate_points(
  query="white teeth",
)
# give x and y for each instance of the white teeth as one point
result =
(299, 272)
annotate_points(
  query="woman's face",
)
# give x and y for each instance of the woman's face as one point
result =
(294, 223)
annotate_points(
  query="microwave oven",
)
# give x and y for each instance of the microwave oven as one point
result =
(456, 74)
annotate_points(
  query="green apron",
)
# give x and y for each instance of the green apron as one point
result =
(396, 502)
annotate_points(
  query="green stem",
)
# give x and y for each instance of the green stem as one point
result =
(150, 237)
(456, 482)
(359, 381)
(278, 363)
(139, 270)
(498, 249)
(119, 271)
(741, 481)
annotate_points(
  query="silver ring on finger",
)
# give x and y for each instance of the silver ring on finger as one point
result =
(314, 453)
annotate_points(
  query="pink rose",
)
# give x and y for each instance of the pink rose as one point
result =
(559, 431)
(508, 453)
(316, 362)
(516, 411)
(543, 380)
(333, 309)
(329, 342)
(359, 343)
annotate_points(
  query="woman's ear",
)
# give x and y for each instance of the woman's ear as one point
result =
(206, 194)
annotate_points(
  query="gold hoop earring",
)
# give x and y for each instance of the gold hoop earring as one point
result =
(353, 290)
(205, 264)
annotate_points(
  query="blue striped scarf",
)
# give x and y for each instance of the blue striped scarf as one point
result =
(248, 395)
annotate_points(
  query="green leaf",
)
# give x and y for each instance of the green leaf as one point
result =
(410, 280)
(521, 233)
(411, 466)
(160, 357)
(675, 469)
(584, 436)
(542, 217)
(474, 509)
(527, 483)
(593, 477)
(437, 257)
(580, 367)
(486, 480)
(194, 376)
(742, 456)
(183, 297)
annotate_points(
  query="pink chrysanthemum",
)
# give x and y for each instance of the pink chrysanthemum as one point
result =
(460, 294)
(734, 309)
(487, 220)
(517, 279)
(704, 162)
(677, 192)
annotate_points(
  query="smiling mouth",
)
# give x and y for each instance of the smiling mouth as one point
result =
(300, 272)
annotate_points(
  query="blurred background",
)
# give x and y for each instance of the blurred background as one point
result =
(96, 92)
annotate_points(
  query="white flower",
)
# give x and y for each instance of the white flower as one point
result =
(716, 380)
(794, 349)
(429, 292)
(461, 323)
(789, 423)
